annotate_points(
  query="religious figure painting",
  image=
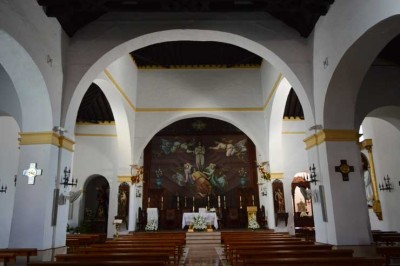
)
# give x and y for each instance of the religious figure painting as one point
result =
(198, 165)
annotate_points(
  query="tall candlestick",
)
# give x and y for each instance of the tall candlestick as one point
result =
(252, 197)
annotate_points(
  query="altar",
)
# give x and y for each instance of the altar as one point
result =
(211, 218)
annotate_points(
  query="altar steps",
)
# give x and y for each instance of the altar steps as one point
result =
(212, 239)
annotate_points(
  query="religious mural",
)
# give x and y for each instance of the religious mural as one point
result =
(199, 166)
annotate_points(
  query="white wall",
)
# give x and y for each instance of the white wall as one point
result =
(9, 157)
(294, 160)
(96, 152)
(194, 88)
(386, 151)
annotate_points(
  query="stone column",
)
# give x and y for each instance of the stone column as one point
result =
(33, 209)
(347, 220)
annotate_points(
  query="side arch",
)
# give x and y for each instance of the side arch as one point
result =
(29, 85)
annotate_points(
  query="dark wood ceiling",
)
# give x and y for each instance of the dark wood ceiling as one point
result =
(191, 54)
(75, 14)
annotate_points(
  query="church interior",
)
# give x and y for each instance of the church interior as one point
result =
(248, 121)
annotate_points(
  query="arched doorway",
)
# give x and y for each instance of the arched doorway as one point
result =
(302, 207)
(96, 205)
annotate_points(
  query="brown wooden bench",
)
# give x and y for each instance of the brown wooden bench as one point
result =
(244, 256)
(236, 249)
(388, 252)
(98, 263)
(23, 252)
(115, 257)
(174, 256)
(352, 261)
(5, 258)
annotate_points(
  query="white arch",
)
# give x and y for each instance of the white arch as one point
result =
(178, 35)
(138, 150)
(119, 110)
(275, 126)
(29, 85)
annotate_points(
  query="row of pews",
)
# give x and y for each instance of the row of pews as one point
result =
(155, 248)
(9, 255)
(267, 248)
(387, 244)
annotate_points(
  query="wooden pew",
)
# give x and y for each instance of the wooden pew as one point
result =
(174, 256)
(234, 250)
(388, 252)
(351, 261)
(148, 256)
(5, 258)
(247, 255)
(23, 252)
(98, 263)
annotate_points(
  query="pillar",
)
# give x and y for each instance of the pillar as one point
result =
(344, 202)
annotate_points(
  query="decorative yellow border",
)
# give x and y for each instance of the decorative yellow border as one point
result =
(123, 178)
(95, 135)
(292, 118)
(331, 135)
(277, 82)
(293, 132)
(276, 175)
(365, 143)
(48, 137)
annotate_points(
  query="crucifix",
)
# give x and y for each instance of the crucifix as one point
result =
(344, 169)
(31, 173)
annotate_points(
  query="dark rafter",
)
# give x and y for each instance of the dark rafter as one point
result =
(75, 14)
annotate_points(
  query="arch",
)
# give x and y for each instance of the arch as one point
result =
(275, 126)
(121, 123)
(9, 154)
(9, 102)
(340, 100)
(96, 202)
(177, 35)
(25, 74)
(258, 141)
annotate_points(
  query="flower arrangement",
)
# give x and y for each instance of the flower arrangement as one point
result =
(152, 225)
(253, 223)
(199, 222)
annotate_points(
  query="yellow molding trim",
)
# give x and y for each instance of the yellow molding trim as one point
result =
(124, 178)
(47, 137)
(278, 80)
(293, 132)
(228, 109)
(119, 88)
(95, 135)
(112, 123)
(276, 175)
(330, 135)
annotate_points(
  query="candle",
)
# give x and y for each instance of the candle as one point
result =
(162, 198)
(240, 198)
(148, 199)
(252, 197)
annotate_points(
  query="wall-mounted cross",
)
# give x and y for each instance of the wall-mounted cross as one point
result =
(344, 169)
(31, 173)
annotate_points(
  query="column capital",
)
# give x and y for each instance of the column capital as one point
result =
(326, 135)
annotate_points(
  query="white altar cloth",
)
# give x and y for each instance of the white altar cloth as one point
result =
(211, 218)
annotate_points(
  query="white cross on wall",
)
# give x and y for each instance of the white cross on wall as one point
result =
(31, 173)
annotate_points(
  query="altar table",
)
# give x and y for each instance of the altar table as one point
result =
(211, 218)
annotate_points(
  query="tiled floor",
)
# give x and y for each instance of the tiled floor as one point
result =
(204, 256)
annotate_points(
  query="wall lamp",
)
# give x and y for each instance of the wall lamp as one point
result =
(65, 180)
(386, 185)
(312, 178)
